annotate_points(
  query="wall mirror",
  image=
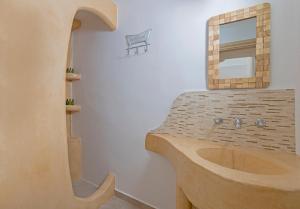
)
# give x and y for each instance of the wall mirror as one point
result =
(239, 49)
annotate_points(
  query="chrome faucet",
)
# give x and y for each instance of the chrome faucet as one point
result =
(260, 123)
(237, 122)
(218, 121)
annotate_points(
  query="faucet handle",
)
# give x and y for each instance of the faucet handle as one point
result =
(260, 123)
(218, 121)
(237, 122)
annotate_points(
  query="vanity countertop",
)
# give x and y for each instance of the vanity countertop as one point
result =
(265, 179)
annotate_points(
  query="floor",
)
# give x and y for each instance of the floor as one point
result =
(84, 189)
(117, 203)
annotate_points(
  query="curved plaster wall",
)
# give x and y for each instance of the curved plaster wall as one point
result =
(34, 37)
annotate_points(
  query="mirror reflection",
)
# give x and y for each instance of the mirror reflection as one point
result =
(237, 49)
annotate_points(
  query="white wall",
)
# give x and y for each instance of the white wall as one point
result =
(124, 97)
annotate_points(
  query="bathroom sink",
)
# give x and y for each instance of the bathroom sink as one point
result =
(240, 160)
(214, 176)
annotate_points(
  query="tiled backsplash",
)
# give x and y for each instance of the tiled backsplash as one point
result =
(192, 116)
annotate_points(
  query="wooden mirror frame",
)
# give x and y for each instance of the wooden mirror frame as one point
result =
(262, 12)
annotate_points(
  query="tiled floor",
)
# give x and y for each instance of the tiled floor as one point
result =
(84, 189)
(117, 203)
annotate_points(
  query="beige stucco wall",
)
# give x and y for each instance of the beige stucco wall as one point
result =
(34, 36)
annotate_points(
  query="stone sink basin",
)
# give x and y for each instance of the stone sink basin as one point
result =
(214, 176)
(241, 160)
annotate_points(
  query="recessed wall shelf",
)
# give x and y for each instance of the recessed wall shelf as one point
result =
(76, 24)
(73, 108)
(74, 143)
(74, 148)
(73, 77)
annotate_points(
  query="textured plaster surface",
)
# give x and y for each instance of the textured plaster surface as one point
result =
(34, 37)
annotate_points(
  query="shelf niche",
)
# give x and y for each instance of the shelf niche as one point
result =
(74, 151)
(73, 77)
(76, 24)
(73, 108)
(74, 143)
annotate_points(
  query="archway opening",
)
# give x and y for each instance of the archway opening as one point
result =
(78, 111)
